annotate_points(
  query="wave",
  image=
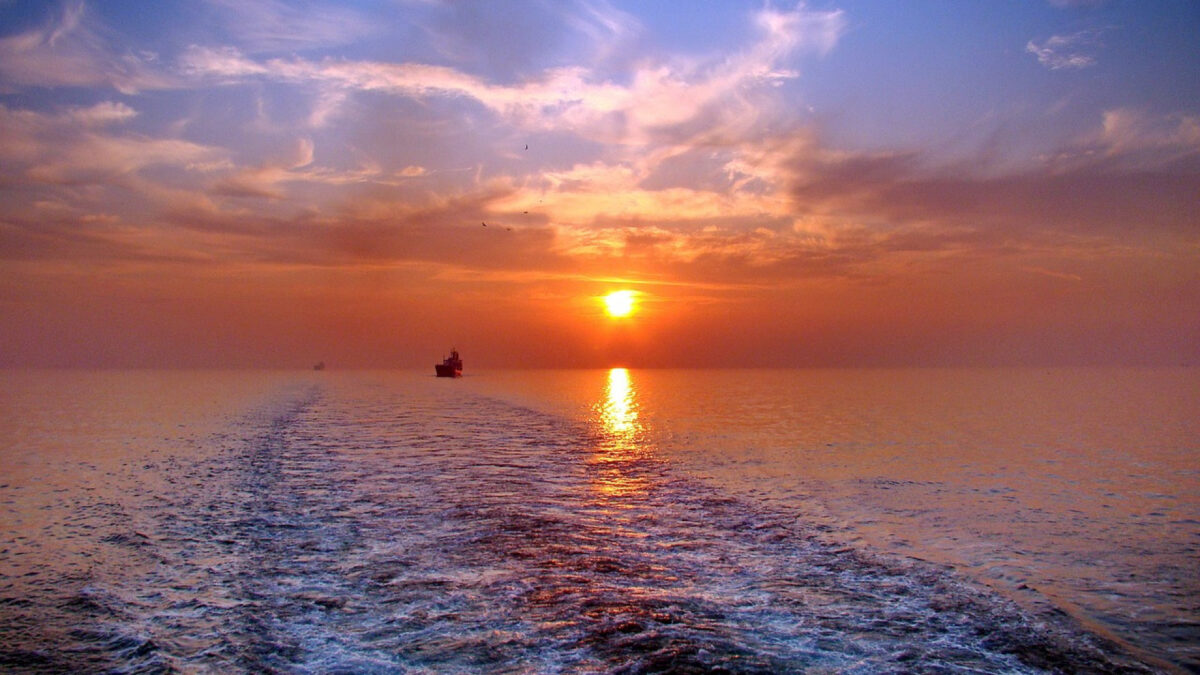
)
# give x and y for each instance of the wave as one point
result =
(428, 529)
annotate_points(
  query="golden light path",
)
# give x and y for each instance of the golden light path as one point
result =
(623, 444)
(620, 411)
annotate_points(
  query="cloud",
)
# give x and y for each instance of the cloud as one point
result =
(101, 114)
(96, 158)
(1040, 206)
(494, 41)
(657, 97)
(328, 105)
(1133, 140)
(1126, 131)
(695, 168)
(803, 29)
(71, 147)
(1066, 51)
(221, 62)
(272, 25)
(21, 122)
(605, 27)
(377, 229)
(69, 51)
(295, 164)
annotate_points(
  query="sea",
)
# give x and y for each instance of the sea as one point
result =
(601, 521)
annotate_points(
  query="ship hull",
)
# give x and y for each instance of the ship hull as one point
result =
(451, 366)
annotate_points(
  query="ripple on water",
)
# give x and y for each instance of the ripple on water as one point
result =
(381, 529)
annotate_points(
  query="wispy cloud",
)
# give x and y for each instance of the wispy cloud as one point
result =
(1072, 51)
(1128, 131)
(101, 114)
(1131, 140)
(809, 30)
(749, 152)
(70, 51)
(70, 147)
(695, 172)
(495, 42)
(273, 25)
(575, 99)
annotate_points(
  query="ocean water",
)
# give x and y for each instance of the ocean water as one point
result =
(601, 521)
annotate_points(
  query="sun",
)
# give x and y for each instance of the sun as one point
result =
(619, 303)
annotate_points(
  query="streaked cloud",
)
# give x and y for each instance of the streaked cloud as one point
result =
(69, 148)
(574, 99)
(69, 52)
(1128, 132)
(1072, 51)
(439, 150)
(274, 25)
(804, 29)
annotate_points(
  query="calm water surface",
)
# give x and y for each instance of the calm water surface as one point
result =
(600, 521)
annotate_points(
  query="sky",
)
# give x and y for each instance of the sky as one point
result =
(258, 183)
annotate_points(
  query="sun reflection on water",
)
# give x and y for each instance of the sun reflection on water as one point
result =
(619, 412)
(621, 435)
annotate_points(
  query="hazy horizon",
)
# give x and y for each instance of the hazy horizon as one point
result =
(270, 184)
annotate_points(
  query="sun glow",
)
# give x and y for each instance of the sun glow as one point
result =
(619, 303)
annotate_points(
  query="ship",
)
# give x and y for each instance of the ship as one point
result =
(451, 366)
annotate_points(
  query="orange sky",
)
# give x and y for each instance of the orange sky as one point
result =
(266, 188)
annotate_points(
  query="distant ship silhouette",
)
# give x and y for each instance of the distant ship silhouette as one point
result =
(451, 366)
